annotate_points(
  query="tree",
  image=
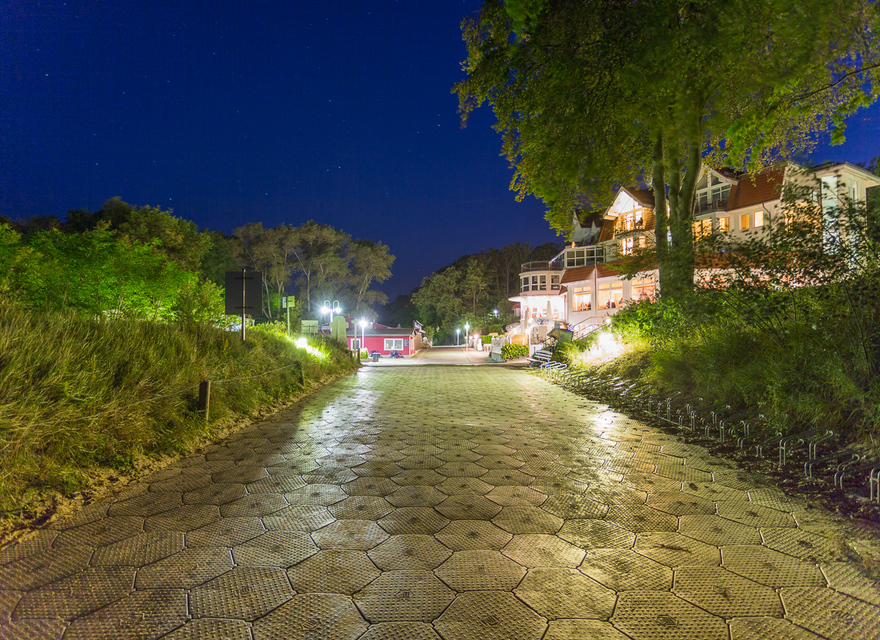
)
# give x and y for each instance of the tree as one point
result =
(370, 261)
(591, 95)
(318, 253)
(474, 283)
(439, 298)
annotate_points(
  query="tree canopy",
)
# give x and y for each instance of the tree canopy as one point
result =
(592, 95)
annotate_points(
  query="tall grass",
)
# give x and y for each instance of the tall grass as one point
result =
(79, 394)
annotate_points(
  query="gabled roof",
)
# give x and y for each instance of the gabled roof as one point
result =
(752, 190)
(645, 197)
(580, 274)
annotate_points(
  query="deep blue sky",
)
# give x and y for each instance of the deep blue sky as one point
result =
(235, 112)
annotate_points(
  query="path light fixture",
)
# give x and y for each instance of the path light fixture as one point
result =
(457, 331)
(467, 327)
(495, 311)
(331, 308)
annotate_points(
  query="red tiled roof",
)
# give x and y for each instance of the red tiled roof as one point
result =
(579, 274)
(753, 190)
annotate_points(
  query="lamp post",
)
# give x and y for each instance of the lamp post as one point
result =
(467, 327)
(331, 309)
(363, 323)
(457, 331)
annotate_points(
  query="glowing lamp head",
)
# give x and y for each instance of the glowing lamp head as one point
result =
(363, 323)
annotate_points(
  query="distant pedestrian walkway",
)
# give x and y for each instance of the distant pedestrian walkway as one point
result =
(462, 503)
(442, 355)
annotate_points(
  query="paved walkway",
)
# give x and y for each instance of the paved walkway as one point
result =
(443, 502)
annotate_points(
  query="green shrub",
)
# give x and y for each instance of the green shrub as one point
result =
(511, 351)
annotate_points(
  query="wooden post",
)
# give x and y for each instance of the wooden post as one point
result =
(205, 397)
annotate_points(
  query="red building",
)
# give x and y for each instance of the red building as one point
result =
(377, 337)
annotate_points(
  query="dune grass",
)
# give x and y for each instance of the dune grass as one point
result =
(79, 395)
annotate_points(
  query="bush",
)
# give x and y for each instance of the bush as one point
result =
(511, 351)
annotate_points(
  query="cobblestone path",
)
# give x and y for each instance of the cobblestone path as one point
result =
(443, 502)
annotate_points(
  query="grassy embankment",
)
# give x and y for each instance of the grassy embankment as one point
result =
(803, 371)
(82, 398)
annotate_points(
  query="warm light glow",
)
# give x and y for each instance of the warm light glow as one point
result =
(303, 343)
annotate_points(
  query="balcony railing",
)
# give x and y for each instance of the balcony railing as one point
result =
(541, 265)
(719, 204)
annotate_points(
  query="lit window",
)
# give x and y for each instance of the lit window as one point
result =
(610, 295)
(643, 242)
(626, 246)
(393, 344)
(724, 224)
(643, 289)
(583, 298)
(702, 228)
(744, 221)
(759, 218)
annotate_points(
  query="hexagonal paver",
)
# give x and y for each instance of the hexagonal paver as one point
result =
(44, 567)
(226, 532)
(612, 494)
(514, 496)
(679, 503)
(409, 552)
(625, 570)
(246, 593)
(468, 507)
(459, 485)
(146, 504)
(299, 518)
(78, 594)
(714, 491)
(490, 616)
(419, 476)
(361, 508)
(256, 505)
(650, 482)
(569, 629)
(420, 462)
(142, 614)
(831, 614)
(462, 469)
(350, 534)
(458, 455)
(413, 520)
(572, 505)
(400, 631)
(763, 628)
(460, 535)
(640, 518)
(416, 496)
(527, 520)
(212, 628)
(802, 544)
(676, 550)
(101, 532)
(316, 494)
(541, 550)
(333, 571)
(370, 486)
(310, 616)
(415, 596)
(275, 549)
(140, 550)
(216, 493)
(717, 531)
(754, 515)
(724, 593)
(565, 593)
(659, 615)
(596, 534)
(553, 486)
(506, 478)
(853, 580)
(480, 570)
(770, 567)
(186, 569)
(186, 518)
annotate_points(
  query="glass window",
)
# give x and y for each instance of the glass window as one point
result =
(543, 281)
(626, 246)
(525, 284)
(724, 224)
(582, 300)
(643, 289)
(610, 295)
(744, 221)
(702, 228)
(393, 344)
(759, 218)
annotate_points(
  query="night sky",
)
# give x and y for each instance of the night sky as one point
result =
(277, 112)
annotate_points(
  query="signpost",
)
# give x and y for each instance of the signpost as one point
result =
(244, 294)
(286, 303)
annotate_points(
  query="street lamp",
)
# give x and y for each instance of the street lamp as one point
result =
(457, 331)
(495, 311)
(467, 327)
(331, 308)
(363, 323)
